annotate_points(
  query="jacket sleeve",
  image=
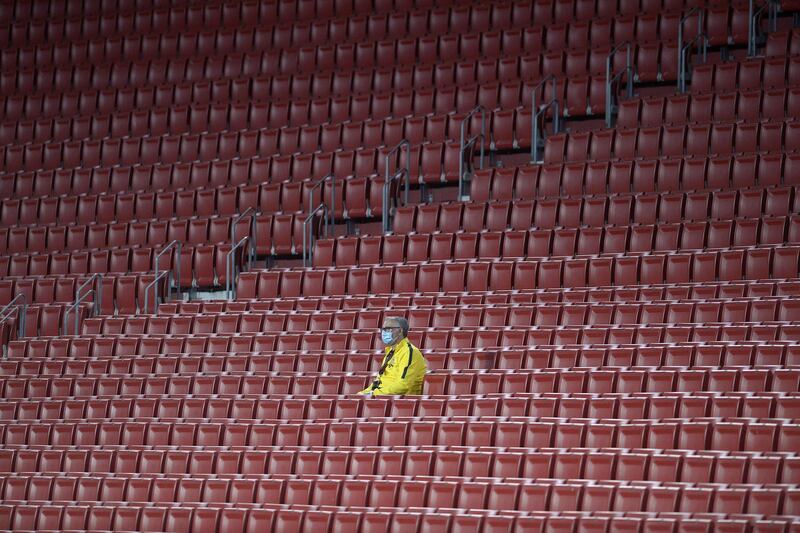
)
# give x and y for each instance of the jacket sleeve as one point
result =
(393, 381)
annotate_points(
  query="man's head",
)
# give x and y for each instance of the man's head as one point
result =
(394, 330)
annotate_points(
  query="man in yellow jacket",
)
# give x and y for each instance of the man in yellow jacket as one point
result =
(403, 368)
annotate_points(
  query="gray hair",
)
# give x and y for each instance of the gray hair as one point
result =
(401, 322)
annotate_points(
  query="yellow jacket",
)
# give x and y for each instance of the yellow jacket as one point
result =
(404, 372)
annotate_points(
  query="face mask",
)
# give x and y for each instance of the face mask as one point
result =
(387, 337)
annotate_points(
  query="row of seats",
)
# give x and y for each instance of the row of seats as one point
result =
(124, 207)
(639, 406)
(160, 122)
(215, 37)
(88, 123)
(433, 162)
(205, 96)
(705, 312)
(710, 346)
(690, 174)
(232, 76)
(782, 42)
(439, 381)
(221, 46)
(45, 290)
(333, 342)
(197, 266)
(203, 264)
(202, 14)
(184, 517)
(357, 196)
(500, 494)
(588, 212)
(268, 11)
(41, 319)
(677, 141)
(37, 239)
(750, 105)
(366, 22)
(422, 247)
(688, 433)
(743, 75)
(142, 179)
(88, 355)
(450, 277)
(241, 82)
(289, 68)
(439, 164)
(645, 464)
(620, 380)
(185, 57)
(506, 131)
(259, 291)
(437, 91)
(194, 265)
(172, 149)
(648, 206)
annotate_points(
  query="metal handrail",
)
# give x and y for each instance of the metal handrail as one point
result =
(154, 283)
(321, 184)
(80, 296)
(464, 143)
(682, 55)
(252, 213)
(683, 19)
(8, 310)
(754, 21)
(387, 186)
(74, 308)
(308, 237)
(612, 78)
(174, 244)
(388, 179)
(230, 267)
(541, 111)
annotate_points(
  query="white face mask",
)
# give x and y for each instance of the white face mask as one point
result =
(387, 335)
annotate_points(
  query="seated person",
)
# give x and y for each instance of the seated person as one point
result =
(403, 368)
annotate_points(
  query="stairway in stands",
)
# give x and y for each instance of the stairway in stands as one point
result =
(613, 333)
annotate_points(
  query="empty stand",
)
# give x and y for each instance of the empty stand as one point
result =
(612, 333)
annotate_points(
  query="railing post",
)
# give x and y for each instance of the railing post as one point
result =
(537, 111)
(80, 296)
(8, 311)
(751, 29)
(754, 21)
(174, 244)
(681, 56)
(308, 238)
(609, 113)
(251, 250)
(252, 213)
(612, 78)
(321, 185)
(230, 268)
(388, 179)
(154, 285)
(629, 71)
(464, 143)
(701, 41)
